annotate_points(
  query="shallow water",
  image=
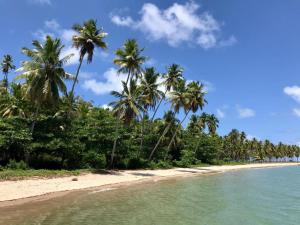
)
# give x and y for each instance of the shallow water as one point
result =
(248, 197)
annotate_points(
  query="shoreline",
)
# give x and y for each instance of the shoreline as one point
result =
(23, 191)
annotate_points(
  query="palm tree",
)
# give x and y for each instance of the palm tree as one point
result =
(7, 65)
(190, 98)
(169, 122)
(44, 73)
(171, 80)
(126, 108)
(150, 94)
(212, 124)
(130, 59)
(14, 106)
(87, 38)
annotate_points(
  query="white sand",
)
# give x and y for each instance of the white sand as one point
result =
(13, 190)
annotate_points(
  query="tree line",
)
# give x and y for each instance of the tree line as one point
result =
(44, 125)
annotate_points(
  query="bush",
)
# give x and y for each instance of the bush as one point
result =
(94, 160)
(187, 159)
(136, 163)
(160, 165)
(14, 165)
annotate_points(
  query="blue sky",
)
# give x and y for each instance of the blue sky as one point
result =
(246, 52)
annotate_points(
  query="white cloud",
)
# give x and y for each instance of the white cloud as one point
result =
(112, 82)
(87, 75)
(245, 112)
(220, 113)
(296, 112)
(229, 42)
(105, 106)
(67, 50)
(52, 24)
(293, 91)
(177, 24)
(40, 2)
(208, 86)
(122, 21)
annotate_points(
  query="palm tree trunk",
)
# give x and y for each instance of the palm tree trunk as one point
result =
(174, 135)
(158, 106)
(34, 119)
(159, 140)
(142, 135)
(114, 147)
(76, 78)
(128, 76)
(6, 82)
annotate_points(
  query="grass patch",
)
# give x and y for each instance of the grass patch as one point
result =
(9, 174)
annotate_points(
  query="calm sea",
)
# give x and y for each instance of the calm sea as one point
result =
(245, 197)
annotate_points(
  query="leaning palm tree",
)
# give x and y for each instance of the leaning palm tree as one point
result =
(169, 121)
(44, 73)
(171, 80)
(6, 66)
(150, 94)
(87, 38)
(130, 59)
(190, 98)
(126, 108)
(180, 91)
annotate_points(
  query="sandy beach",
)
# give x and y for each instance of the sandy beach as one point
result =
(26, 189)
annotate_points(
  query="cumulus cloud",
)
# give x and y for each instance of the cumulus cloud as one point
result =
(296, 112)
(112, 82)
(40, 2)
(245, 112)
(293, 91)
(177, 24)
(122, 21)
(220, 113)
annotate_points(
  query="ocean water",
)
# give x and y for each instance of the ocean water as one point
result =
(246, 197)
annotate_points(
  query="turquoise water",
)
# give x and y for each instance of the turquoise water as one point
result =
(247, 197)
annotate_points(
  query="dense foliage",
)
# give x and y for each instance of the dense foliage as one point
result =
(42, 125)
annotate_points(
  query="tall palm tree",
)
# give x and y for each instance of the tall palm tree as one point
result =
(7, 65)
(87, 38)
(130, 59)
(171, 80)
(150, 94)
(169, 122)
(212, 124)
(44, 73)
(126, 108)
(190, 98)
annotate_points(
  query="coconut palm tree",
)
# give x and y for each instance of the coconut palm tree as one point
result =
(14, 106)
(6, 66)
(44, 73)
(190, 98)
(88, 37)
(171, 79)
(212, 124)
(170, 121)
(130, 59)
(126, 108)
(150, 94)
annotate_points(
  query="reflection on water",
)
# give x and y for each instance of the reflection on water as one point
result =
(248, 197)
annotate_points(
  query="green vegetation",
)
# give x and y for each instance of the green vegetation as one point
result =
(43, 126)
(10, 174)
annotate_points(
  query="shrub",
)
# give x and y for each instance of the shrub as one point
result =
(94, 160)
(14, 165)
